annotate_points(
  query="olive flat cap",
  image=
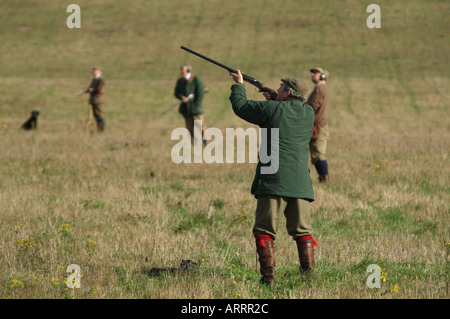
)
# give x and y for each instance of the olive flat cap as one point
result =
(297, 84)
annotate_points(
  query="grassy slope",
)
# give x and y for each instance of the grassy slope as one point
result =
(387, 203)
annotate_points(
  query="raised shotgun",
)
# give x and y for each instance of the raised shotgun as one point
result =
(246, 78)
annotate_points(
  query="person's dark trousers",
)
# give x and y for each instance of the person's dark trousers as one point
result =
(322, 170)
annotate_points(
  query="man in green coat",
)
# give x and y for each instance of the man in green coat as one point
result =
(288, 189)
(189, 90)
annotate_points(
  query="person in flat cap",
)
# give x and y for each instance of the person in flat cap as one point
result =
(96, 97)
(288, 189)
(189, 89)
(318, 99)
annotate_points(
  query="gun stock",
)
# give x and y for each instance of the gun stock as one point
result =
(246, 77)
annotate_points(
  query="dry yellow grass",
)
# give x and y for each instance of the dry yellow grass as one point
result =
(126, 207)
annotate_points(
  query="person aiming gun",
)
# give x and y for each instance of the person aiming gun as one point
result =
(288, 190)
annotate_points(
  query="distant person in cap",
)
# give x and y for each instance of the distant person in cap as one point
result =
(96, 98)
(288, 190)
(318, 99)
(189, 90)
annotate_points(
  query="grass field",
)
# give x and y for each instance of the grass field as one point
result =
(116, 205)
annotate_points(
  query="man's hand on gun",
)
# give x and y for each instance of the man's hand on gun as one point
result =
(237, 77)
(269, 94)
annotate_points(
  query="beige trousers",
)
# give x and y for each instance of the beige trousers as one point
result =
(318, 148)
(189, 120)
(297, 212)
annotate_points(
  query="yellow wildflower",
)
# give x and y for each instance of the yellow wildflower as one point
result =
(17, 228)
(16, 283)
(242, 216)
(383, 275)
(94, 290)
(90, 243)
(394, 289)
(65, 228)
(35, 280)
(25, 244)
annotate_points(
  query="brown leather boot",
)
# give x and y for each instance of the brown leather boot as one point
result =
(265, 250)
(324, 178)
(306, 255)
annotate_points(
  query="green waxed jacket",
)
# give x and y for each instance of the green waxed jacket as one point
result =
(184, 88)
(295, 121)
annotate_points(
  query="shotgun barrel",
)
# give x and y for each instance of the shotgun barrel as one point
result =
(246, 77)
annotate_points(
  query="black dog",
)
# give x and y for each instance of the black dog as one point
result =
(31, 123)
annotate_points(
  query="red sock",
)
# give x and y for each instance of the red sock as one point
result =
(260, 238)
(306, 237)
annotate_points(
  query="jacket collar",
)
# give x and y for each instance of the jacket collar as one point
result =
(191, 78)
